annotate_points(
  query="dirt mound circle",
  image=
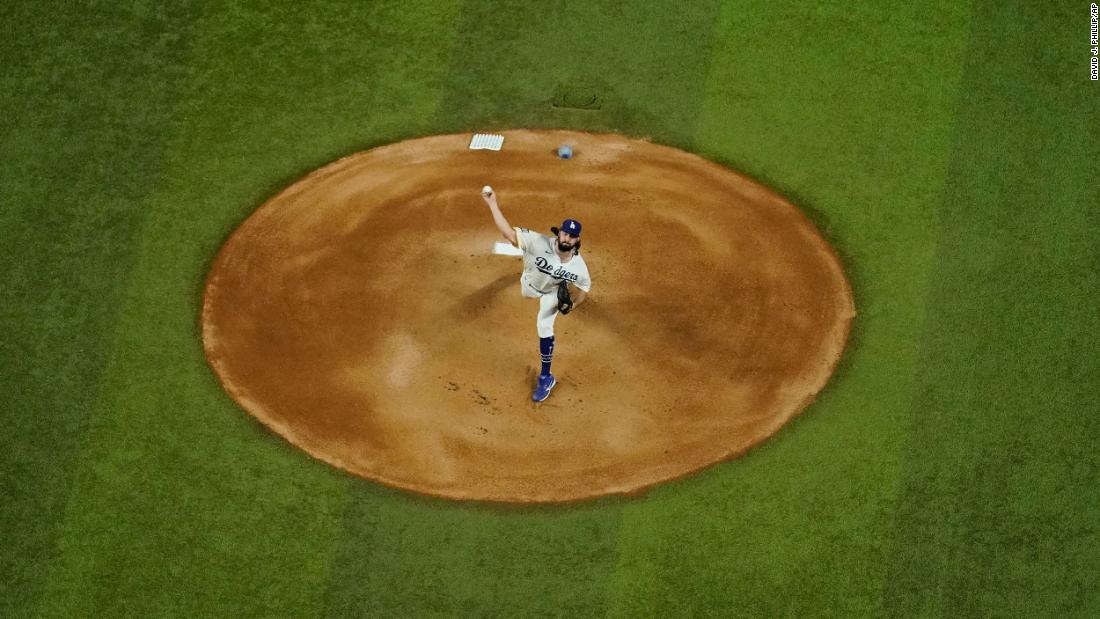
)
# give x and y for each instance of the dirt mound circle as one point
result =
(361, 315)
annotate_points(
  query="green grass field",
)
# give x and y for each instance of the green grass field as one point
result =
(949, 151)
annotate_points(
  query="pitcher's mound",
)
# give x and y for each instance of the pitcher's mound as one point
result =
(360, 315)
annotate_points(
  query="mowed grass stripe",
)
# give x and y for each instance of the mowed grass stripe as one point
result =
(404, 555)
(185, 505)
(532, 65)
(85, 123)
(1000, 510)
(840, 110)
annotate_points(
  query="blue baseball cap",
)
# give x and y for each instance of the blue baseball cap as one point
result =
(571, 226)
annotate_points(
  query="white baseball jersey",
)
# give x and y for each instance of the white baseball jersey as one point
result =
(543, 270)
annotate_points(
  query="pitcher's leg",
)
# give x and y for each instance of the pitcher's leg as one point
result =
(548, 312)
(546, 351)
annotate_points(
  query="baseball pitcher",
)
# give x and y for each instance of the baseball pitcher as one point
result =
(553, 272)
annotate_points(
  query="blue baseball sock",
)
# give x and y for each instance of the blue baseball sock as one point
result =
(546, 347)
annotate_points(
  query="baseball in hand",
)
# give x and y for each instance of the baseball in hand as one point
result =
(486, 191)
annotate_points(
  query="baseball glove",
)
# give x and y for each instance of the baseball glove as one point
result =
(565, 302)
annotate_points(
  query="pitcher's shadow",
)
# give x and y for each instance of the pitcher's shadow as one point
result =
(472, 305)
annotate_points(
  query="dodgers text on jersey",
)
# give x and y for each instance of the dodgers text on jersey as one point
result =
(560, 273)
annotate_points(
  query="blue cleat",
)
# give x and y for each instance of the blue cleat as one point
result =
(542, 390)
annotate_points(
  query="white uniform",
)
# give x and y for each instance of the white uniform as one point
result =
(543, 271)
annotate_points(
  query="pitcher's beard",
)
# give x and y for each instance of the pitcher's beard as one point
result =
(563, 248)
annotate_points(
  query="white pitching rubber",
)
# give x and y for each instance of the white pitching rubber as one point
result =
(506, 249)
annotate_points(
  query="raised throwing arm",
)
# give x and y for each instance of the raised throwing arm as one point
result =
(505, 228)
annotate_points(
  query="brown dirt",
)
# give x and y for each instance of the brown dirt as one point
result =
(360, 315)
